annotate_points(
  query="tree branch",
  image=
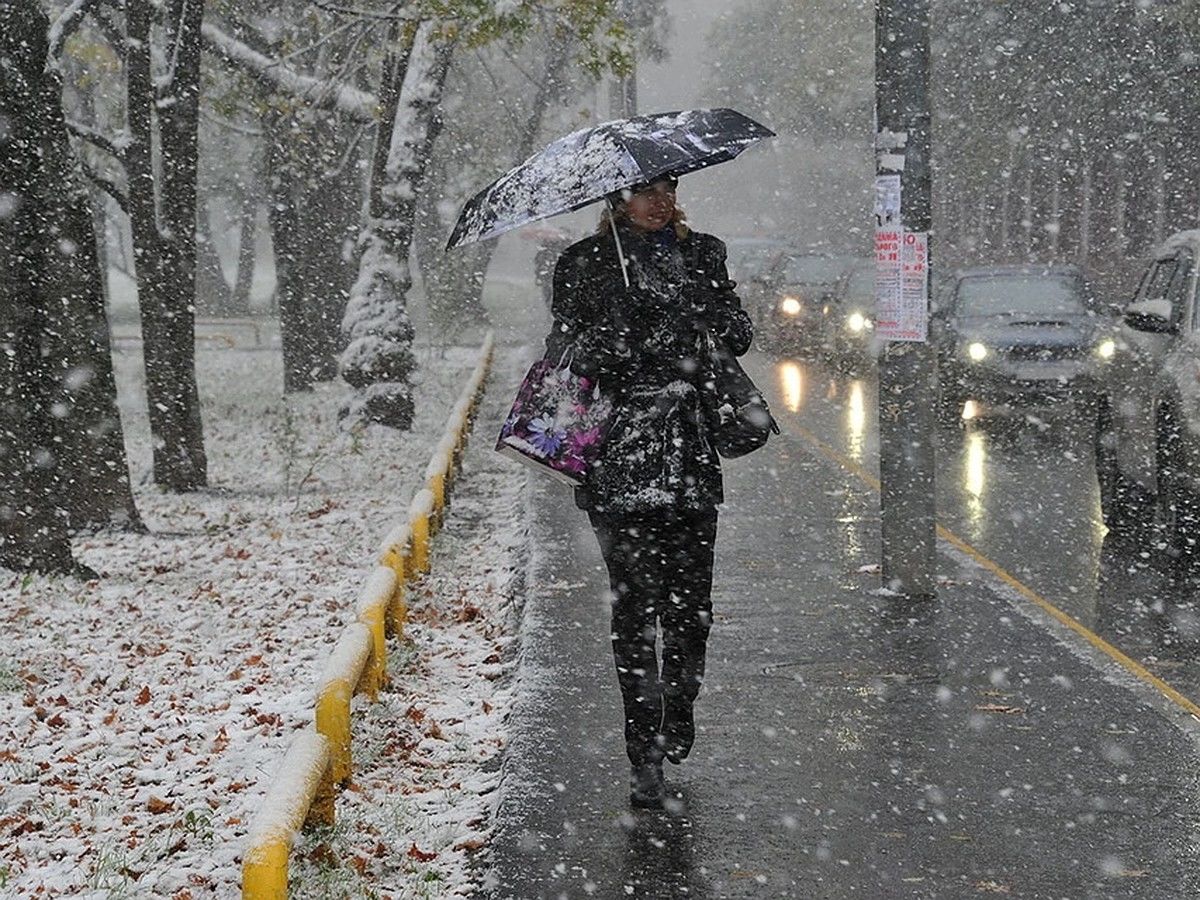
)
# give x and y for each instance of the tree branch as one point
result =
(96, 139)
(349, 101)
(66, 25)
(105, 185)
(395, 16)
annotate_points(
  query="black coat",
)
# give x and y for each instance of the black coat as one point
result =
(645, 344)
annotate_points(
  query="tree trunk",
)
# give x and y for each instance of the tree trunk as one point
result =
(166, 257)
(44, 277)
(213, 294)
(315, 207)
(247, 253)
(379, 359)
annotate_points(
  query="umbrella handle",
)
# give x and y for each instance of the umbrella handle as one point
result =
(612, 220)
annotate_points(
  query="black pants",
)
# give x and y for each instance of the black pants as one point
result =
(660, 570)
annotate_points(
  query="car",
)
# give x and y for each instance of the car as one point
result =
(1030, 339)
(1147, 448)
(792, 300)
(747, 257)
(849, 341)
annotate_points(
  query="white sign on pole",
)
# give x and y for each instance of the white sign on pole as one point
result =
(887, 253)
(901, 269)
(914, 287)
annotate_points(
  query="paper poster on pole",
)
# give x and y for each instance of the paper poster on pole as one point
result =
(887, 254)
(914, 287)
(901, 269)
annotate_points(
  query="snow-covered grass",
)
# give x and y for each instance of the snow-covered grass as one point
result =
(141, 715)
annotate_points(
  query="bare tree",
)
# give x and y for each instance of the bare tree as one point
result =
(162, 207)
(62, 460)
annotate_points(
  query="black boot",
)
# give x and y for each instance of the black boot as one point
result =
(678, 730)
(646, 787)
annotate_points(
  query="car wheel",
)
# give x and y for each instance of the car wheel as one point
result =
(1122, 506)
(1178, 506)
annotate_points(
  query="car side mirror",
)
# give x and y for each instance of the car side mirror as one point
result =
(1151, 316)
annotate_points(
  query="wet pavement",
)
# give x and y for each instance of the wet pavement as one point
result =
(851, 744)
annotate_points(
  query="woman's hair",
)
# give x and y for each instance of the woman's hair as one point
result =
(619, 209)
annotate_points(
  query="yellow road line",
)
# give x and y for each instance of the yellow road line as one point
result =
(1126, 662)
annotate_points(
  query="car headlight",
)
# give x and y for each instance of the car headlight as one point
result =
(790, 306)
(856, 322)
(977, 351)
(1106, 348)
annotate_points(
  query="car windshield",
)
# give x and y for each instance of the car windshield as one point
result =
(745, 261)
(999, 295)
(812, 270)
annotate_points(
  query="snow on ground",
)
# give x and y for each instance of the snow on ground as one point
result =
(141, 714)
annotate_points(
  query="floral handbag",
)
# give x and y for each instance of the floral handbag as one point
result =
(558, 422)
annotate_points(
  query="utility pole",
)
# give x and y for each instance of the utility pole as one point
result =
(907, 369)
(622, 96)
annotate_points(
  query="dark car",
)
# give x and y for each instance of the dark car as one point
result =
(1021, 338)
(792, 300)
(749, 257)
(1148, 411)
(850, 342)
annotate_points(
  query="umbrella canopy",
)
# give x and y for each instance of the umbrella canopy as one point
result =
(589, 164)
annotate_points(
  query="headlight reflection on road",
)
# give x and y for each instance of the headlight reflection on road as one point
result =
(791, 379)
(857, 419)
(976, 457)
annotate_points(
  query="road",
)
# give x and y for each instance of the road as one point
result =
(1021, 492)
(850, 745)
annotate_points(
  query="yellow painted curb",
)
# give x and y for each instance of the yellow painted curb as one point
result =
(343, 672)
(301, 793)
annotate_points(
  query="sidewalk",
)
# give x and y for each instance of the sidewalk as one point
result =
(849, 745)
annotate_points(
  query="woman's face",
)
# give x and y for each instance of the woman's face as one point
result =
(652, 207)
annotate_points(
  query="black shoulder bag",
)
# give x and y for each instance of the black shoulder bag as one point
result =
(740, 420)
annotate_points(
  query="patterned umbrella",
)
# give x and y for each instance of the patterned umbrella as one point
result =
(589, 164)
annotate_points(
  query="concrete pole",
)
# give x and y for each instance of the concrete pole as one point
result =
(1027, 209)
(1055, 207)
(1121, 241)
(1085, 213)
(1160, 194)
(907, 370)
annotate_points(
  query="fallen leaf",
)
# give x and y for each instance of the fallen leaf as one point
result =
(991, 887)
(1001, 708)
(420, 855)
(471, 845)
(323, 855)
(157, 805)
(143, 696)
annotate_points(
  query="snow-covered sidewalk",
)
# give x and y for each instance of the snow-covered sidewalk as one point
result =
(141, 715)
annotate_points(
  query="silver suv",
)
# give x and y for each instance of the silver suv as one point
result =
(1148, 422)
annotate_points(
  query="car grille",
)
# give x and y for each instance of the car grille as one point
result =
(1024, 353)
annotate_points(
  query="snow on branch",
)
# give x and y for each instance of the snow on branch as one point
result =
(65, 25)
(347, 100)
(115, 147)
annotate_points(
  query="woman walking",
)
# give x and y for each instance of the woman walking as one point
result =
(635, 305)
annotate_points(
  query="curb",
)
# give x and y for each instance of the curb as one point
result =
(318, 762)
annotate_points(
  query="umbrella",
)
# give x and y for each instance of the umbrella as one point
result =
(591, 163)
